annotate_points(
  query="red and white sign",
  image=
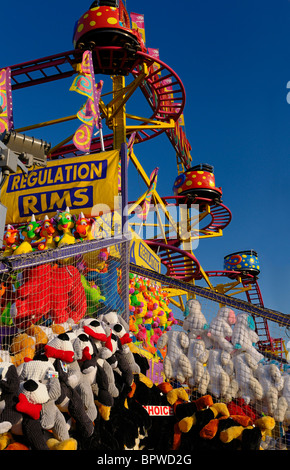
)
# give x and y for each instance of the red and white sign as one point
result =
(159, 410)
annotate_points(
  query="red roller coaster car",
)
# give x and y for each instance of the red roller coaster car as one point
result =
(198, 181)
(106, 23)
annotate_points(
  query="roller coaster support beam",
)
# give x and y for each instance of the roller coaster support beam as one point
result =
(119, 114)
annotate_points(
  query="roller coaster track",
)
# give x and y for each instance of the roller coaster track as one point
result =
(179, 264)
(166, 105)
(218, 218)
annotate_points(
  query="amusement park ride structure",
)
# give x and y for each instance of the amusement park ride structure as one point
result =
(119, 52)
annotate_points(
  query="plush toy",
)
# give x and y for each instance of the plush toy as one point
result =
(30, 234)
(13, 417)
(93, 296)
(48, 234)
(121, 329)
(238, 406)
(22, 346)
(176, 364)
(39, 390)
(96, 260)
(95, 372)
(219, 381)
(250, 388)
(9, 390)
(99, 332)
(272, 381)
(251, 435)
(65, 224)
(100, 335)
(108, 284)
(282, 412)
(232, 391)
(160, 434)
(195, 323)
(11, 240)
(220, 329)
(198, 356)
(244, 336)
(75, 378)
(205, 425)
(117, 358)
(60, 297)
(128, 421)
(156, 333)
(199, 413)
(83, 228)
(60, 352)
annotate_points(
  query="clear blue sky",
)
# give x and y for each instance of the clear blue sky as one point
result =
(233, 57)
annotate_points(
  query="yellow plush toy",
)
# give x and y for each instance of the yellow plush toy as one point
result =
(22, 346)
(250, 436)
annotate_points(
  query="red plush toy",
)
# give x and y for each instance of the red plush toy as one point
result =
(54, 292)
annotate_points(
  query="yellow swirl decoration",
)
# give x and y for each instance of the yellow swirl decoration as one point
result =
(82, 138)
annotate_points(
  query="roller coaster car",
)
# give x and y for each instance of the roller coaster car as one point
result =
(244, 261)
(198, 181)
(107, 23)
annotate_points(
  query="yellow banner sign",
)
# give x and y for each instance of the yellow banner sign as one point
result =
(142, 255)
(79, 183)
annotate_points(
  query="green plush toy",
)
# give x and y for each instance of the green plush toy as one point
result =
(93, 296)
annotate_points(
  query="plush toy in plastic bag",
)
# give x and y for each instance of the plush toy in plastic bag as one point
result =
(250, 388)
(220, 329)
(244, 336)
(195, 323)
(176, 363)
(271, 380)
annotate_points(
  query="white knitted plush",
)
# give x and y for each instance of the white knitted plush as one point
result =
(272, 382)
(220, 329)
(244, 336)
(195, 323)
(176, 364)
(282, 412)
(219, 381)
(198, 357)
(250, 388)
(40, 385)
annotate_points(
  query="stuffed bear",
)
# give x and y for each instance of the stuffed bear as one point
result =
(272, 381)
(176, 364)
(250, 388)
(220, 329)
(198, 356)
(244, 336)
